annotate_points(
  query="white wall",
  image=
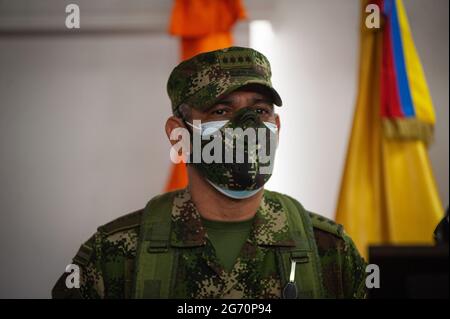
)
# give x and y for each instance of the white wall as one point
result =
(81, 118)
(314, 60)
(82, 142)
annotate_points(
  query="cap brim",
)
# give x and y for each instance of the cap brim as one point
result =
(241, 83)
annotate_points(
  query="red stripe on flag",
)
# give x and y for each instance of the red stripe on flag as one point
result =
(389, 95)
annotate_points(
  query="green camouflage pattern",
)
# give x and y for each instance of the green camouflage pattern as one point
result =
(107, 259)
(245, 176)
(207, 77)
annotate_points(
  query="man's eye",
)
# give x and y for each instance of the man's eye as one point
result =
(262, 110)
(219, 112)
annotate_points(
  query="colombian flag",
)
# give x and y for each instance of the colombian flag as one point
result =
(388, 193)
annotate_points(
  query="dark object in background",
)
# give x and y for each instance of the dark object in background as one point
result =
(441, 231)
(411, 271)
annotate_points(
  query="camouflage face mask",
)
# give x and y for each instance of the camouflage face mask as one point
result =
(244, 151)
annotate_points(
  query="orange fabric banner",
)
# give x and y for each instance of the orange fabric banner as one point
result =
(198, 18)
(202, 25)
(194, 46)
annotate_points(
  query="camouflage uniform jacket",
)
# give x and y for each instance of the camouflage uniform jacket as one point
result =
(107, 259)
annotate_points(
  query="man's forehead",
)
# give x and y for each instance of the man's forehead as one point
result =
(250, 92)
(243, 98)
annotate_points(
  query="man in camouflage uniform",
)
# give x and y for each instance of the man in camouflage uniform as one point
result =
(223, 236)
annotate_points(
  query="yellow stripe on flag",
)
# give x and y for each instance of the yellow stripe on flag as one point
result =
(420, 93)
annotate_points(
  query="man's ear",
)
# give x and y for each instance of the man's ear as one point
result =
(277, 121)
(172, 123)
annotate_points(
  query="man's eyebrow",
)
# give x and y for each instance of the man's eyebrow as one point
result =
(230, 101)
(226, 101)
(262, 99)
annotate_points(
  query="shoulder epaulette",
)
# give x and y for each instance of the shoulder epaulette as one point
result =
(326, 224)
(122, 223)
(318, 221)
(85, 252)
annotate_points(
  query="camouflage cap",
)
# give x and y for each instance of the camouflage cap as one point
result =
(207, 77)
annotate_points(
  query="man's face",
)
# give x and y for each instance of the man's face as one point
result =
(250, 166)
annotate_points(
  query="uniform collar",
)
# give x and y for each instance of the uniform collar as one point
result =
(270, 225)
